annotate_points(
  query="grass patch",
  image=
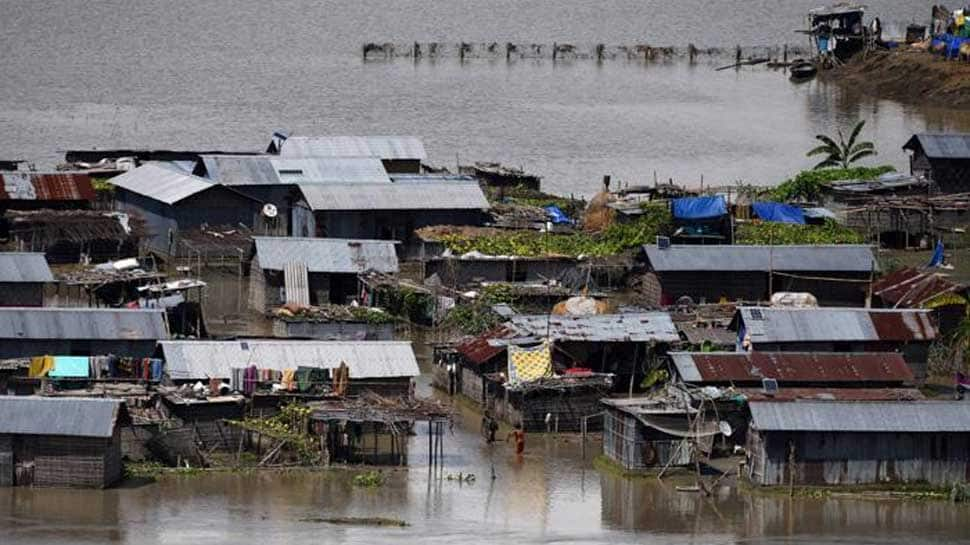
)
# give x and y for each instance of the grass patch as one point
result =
(765, 233)
(370, 479)
(885, 491)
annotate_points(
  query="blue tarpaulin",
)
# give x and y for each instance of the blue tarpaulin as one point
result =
(778, 212)
(937, 258)
(556, 215)
(699, 208)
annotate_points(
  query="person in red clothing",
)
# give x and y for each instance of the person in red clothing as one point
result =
(519, 437)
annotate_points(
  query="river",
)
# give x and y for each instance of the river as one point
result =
(223, 74)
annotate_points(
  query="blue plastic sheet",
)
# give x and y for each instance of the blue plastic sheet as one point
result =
(937, 258)
(699, 208)
(778, 212)
(556, 215)
(69, 366)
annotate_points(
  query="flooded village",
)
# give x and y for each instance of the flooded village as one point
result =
(336, 337)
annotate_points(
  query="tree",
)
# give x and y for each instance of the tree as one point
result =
(844, 152)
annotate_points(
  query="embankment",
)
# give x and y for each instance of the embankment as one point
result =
(907, 75)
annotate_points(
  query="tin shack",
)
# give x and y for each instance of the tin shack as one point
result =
(21, 190)
(908, 332)
(399, 154)
(390, 211)
(27, 332)
(836, 275)
(22, 279)
(170, 200)
(386, 368)
(847, 443)
(943, 158)
(313, 271)
(60, 441)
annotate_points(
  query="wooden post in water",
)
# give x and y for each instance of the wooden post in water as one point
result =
(691, 53)
(785, 57)
(737, 55)
(555, 51)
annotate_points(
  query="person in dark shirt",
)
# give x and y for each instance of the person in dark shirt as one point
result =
(489, 427)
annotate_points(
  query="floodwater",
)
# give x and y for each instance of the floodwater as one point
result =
(551, 496)
(226, 73)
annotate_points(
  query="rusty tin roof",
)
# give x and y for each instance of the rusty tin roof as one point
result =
(791, 367)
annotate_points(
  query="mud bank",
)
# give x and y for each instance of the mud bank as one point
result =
(909, 76)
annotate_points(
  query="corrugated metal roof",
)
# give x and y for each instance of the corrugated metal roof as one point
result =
(366, 359)
(24, 267)
(82, 323)
(942, 145)
(384, 147)
(911, 288)
(57, 186)
(770, 325)
(63, 416)
(161, 182)
(327, 255)
(824, 416)
(715, 335)
(840, 258)
(395, 196)
(832, 394)
(477, 349)
(790, 367)
(641, 327)
(267, 169)
(425, 178)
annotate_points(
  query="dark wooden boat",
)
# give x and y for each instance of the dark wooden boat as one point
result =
(802, 70)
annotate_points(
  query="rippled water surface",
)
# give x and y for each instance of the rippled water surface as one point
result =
(224, 74)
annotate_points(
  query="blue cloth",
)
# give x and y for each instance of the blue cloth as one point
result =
(937, 258)
(557, 215)
(70, 366)
(699, 208)
(778, 212)
(156, 369)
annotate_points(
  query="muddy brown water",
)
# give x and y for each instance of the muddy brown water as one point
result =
(551, 496)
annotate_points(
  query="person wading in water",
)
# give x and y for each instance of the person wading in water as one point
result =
(519, 437)
(489, 427)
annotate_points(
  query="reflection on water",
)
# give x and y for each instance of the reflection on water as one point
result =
(551, 496)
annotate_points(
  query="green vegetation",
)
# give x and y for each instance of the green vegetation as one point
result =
(808, 184)
(474, 318)
(370, 479)
(152, 470)
(531, 197)
(614, 239)
(101, 184)
(843, 153)
(762, 233)
(407, 303)
(291, 425)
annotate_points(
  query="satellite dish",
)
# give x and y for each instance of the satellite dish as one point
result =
(725, 428)
(270, 211)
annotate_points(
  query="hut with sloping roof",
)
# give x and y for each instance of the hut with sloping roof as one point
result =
(170, 200)
(927, 289)
(943, 158)
(22, 279)
(60, 441)
(383, 367)
(27, 332)
(836, 275)
(313, 271)
(391, 211)
(399, 154)
(22, 190)
(906, 331)
(858, 443)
